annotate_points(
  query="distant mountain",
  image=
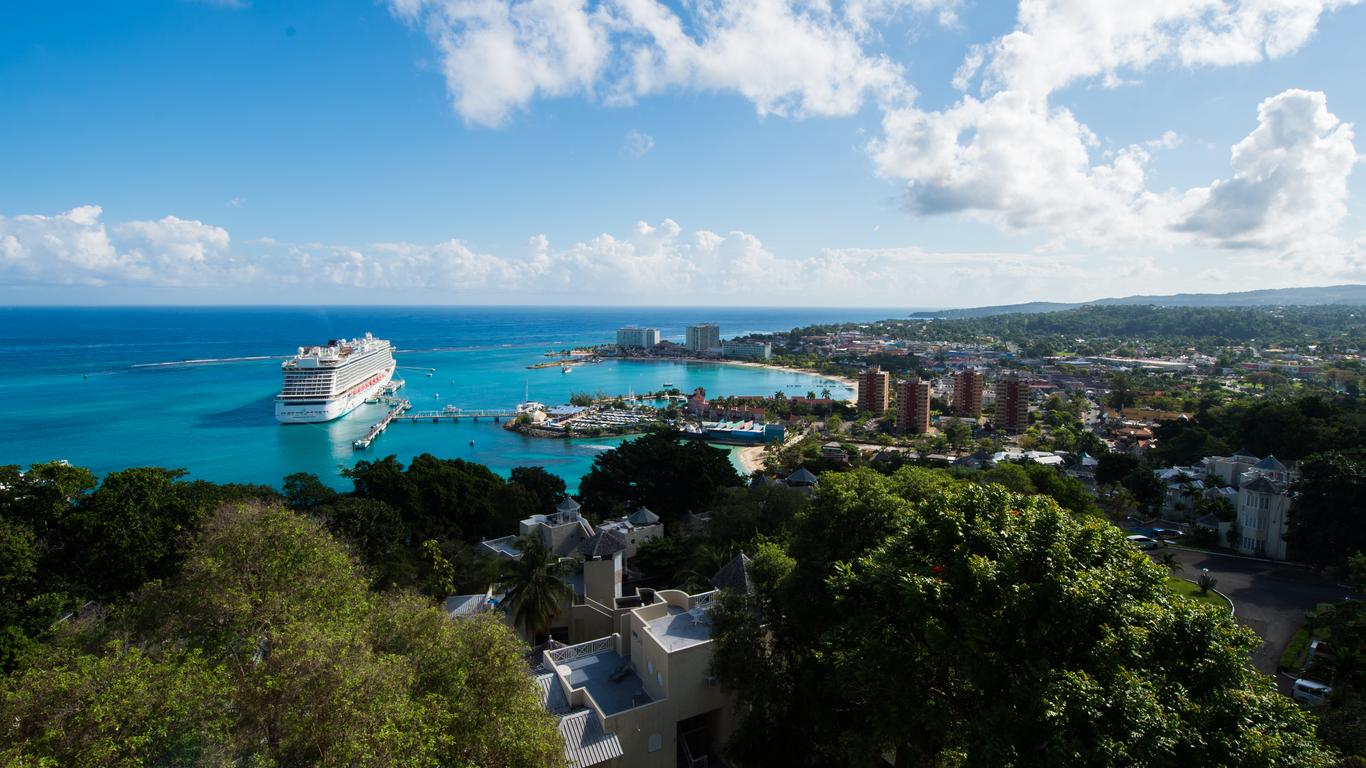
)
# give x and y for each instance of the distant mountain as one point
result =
(1271, 297)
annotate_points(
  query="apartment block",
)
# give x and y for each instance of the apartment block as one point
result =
(913, 406)
(874, 390)
(1012, 404)
(967, 392)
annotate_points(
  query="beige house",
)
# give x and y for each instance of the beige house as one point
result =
(643, 698)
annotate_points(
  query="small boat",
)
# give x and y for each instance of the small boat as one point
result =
(471, 443)
(565, 369)
(437, 395)
(668, 384)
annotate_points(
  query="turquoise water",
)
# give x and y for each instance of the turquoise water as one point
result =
(108, 388)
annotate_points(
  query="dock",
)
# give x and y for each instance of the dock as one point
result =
(456, 414)
(400, 407)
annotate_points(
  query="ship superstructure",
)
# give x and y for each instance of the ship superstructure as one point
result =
(327, 382)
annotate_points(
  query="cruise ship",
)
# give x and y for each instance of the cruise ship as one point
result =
(327, 382)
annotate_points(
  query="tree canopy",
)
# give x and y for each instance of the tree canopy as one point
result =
(268, 649)
(670, 476)
(962, 624)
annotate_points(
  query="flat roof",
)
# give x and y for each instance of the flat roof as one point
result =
(595, 672)
(681, 629)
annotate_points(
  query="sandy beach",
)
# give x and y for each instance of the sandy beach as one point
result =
(750, 459)
(847, 382)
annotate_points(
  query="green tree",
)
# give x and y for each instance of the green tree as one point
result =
(670, 476)
(967, 625)
(535, 587)
(269, 649)
(548, 489)
(1325, 519)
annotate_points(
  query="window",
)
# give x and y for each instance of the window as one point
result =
(660, 677)
(656, 743)
(650, 666)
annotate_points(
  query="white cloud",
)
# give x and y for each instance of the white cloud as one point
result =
(1289, 177)
(788, 57)
(638, 143)
(76, 247)
(1013, 157)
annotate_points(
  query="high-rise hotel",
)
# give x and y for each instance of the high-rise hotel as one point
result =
(703, 337)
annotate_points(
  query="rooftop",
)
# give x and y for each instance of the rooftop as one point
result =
(681, 629)
(610, 680)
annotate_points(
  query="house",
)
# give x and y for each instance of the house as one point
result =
(802, 478)
(834, 452)
(644, 695)
(1260, 491)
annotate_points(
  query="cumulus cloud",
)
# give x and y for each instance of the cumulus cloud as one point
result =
(788, 57)
(1012, 156)
(1289, 177)
(76, 247)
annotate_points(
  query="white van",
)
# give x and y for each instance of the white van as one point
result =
(1142, 542)
(1310, 692)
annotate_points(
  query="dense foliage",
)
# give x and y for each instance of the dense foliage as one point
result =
(960, 624)
(1105, 327)
(269, 649)
(658, 471)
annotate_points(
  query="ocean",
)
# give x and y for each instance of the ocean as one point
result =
(111, 388)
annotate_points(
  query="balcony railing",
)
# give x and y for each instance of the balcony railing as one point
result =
(590, 648)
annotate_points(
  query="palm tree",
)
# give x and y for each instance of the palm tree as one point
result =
(1170, 562)
(535, 587)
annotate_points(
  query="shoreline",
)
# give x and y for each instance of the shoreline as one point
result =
(750, 459)
(841, 380)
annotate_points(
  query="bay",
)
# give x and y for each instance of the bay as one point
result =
(110, 388)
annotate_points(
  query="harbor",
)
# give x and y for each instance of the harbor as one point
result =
(378, 428)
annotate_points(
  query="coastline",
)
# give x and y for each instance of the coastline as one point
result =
(844, 381)
(750, 459)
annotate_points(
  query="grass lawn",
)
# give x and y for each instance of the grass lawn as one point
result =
(1189, 589)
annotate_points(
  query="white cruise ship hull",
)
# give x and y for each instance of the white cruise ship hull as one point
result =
(316, 411)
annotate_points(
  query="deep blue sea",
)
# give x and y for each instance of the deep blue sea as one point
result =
(110, 388)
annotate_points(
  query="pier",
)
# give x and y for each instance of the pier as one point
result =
(400, 406)
(456, 414)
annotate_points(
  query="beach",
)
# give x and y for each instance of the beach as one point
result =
(750, 460)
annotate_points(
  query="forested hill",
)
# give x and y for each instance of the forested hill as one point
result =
(1331, 327)
(1354, 295)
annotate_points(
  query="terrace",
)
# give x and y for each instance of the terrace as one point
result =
(603, 673)
(680, 629)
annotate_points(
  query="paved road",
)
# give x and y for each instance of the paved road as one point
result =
(1268, 598)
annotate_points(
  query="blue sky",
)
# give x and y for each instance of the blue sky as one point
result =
(709, 152)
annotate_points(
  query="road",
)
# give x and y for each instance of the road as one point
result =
(1268, 598)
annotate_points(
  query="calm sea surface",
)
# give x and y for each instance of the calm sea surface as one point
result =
(109, 388)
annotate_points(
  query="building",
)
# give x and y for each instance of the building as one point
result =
(702, 337)
(1262, 500)
(874, 387)
(967, 392)
(643, 693)
(1012, 404)
(632, 337)
(746, 349)
(913, 406)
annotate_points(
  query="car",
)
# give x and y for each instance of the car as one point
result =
(1142, 542)
(1319, 651)
(1166, 533)
(1310, 692)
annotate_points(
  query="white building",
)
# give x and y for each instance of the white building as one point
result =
(703, 337)
(641, 338)
(746, 349)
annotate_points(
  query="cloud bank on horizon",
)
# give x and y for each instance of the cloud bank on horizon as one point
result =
(1006, 153)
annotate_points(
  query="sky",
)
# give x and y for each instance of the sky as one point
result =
(891, 153)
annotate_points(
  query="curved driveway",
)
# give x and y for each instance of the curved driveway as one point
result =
(1269, 598)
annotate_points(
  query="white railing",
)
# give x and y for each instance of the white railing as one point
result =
(704, 600)
(590, 648)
